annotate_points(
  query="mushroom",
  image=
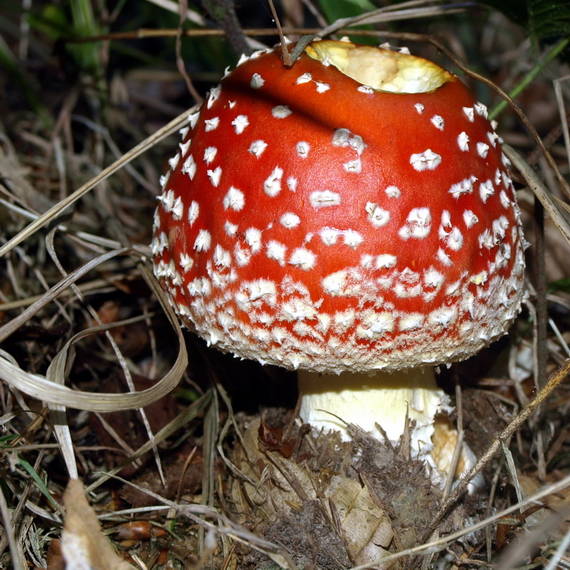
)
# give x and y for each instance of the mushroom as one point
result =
(350, 217)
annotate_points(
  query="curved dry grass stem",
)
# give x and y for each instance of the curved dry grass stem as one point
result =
(56, 372)
(413, 37)
(514, 106)
(54, 393)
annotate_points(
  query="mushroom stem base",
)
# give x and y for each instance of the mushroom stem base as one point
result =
(331, 402)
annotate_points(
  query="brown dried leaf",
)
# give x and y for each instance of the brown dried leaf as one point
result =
(366, 528)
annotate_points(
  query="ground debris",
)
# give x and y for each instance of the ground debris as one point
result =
(356, 500)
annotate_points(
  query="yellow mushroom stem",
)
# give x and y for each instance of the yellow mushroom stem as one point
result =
(385, 399)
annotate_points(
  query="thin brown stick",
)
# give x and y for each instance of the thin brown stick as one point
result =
(541, 337)
(224, 13)
(180, 65)
(540, 288)
(144, 33)
(439, 544)
(285, 55)
(555, 380)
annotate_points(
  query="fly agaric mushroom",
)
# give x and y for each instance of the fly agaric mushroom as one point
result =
(350, 217)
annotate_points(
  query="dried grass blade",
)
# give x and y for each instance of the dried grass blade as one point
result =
(512, 471)
(194, 410)
(63, 436)
(18, 559)
(540, 191)
(61, 427)
(211, 429)
(562, 110)
(12, 326)
(58, 208)
(402, 11)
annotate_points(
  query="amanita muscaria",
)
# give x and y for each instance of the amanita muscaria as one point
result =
(350, 217)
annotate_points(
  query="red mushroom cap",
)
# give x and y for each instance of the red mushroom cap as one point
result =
(312, 221)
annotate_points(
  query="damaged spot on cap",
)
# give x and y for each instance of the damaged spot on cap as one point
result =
(324, 198)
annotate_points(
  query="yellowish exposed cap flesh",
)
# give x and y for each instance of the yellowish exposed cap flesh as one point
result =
(379, 68)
